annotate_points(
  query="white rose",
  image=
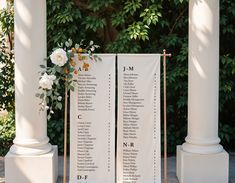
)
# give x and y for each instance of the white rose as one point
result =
(59, 57)
(46, 81)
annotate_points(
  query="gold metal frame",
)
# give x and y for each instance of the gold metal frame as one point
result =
(164, 55)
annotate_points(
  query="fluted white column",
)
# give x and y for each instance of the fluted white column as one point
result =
(30, 52)
(203, 76)
(201, 158)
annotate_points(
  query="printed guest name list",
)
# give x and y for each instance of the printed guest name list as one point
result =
(92, 125)
(138, 148)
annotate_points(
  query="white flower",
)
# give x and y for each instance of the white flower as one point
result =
(46, 81)
(59, 57)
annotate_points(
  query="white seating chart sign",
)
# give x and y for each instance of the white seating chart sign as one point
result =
(138, 137)
(92, 120)
(92, 123)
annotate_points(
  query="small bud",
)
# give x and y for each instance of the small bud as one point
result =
(66, 71)
(73, 50)
(72, 63)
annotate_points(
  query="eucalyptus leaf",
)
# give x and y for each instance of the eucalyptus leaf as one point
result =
(43, 66)
(72, 88)
(59, 105)
(49, 92)
(42, 95)
(77, 46)
(47, 100)
(70, 76)
(67, 44)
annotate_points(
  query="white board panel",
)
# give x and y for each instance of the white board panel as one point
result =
(92, 125)
(138, 133)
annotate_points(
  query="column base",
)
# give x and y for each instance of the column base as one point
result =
(32, 169)
(203, 168)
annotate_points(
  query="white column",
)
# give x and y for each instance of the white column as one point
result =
(30, 52)
(31, 159)
(203, 77)
(203, 88)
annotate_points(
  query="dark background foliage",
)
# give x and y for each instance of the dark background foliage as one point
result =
(147, 26)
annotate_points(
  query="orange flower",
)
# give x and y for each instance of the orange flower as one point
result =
(85, 66)
(80, 50)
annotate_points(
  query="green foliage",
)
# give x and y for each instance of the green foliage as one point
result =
(128, 45)
(7, 132)
(55, 131)
(138, 30)
(227, 73)
(7, 20)
(227, 86)
(98, 5)
(226, 133)
(94, 23)
(151, 15)
(6, 59)
(131, 6)
(135, 19)
(6, 78)
(63, 22)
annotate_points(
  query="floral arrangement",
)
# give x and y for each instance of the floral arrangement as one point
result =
(60, 72)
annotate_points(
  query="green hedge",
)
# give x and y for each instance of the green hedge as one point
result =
(7, 132)
(55, 132)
